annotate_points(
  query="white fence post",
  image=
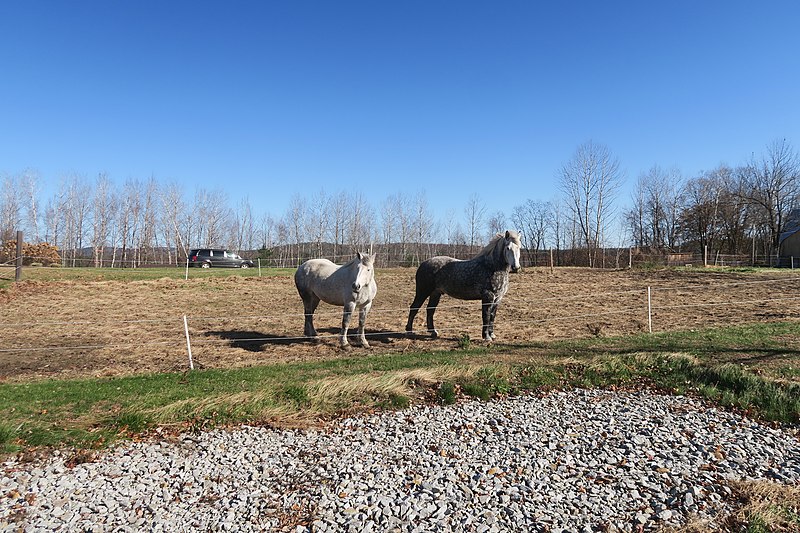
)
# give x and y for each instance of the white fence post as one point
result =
(187, 268)
(188, 342)
(649, 312)
(259, 267)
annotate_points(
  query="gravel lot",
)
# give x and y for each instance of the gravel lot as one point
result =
(577, 461)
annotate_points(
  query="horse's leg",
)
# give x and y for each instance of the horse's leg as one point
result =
(416, 305)
(310, 303)
(348, 312)
(431, 309)
(486, 314)
(362, 320)
(492, 314)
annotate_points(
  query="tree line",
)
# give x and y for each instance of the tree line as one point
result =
(733, 210)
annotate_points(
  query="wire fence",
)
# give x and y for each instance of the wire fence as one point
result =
(610, 258)
(180, 332)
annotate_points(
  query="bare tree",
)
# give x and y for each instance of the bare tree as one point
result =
(10, 208)
(453, 233)
(266, 231)
(496, 223)
(424, 226)
(361, 222)
(103, 214)
(772, 185)
(74, 210)
(171, 216)
(590, 182)
(295, 220)
(654, 218)
(534, 219)
(213, 217)
(29, 182)
(389, 223)
(317, 220)
(129, 220)
(145, 247)
(475, 211)
(700, 214)
(337, 221)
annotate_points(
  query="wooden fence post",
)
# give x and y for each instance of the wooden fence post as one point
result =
(18, 269)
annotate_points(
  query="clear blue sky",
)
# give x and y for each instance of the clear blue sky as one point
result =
(267, 99)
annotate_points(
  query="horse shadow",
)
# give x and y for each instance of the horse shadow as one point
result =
(257, 341)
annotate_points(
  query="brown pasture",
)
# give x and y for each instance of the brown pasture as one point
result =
(61, 329)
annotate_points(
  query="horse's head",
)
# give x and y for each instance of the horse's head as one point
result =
(511, 250)
(364, 271)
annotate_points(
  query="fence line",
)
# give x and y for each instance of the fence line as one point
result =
(86, 347)
(714, 304)
(462, 304)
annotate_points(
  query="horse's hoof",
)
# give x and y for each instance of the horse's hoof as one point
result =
(365, 344)
(345, 347)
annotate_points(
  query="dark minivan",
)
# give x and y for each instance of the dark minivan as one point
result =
(212, 257)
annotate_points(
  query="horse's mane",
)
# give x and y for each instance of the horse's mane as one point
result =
(355, 260)
(489, 248)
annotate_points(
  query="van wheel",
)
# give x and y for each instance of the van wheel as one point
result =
(245, 265)
(206, 265)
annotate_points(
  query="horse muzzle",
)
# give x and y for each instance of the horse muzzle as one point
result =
(514, 270)
(356, 287)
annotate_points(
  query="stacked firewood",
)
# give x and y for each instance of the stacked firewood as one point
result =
(32, 253)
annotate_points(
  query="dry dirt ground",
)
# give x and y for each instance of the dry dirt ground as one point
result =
(104, 328)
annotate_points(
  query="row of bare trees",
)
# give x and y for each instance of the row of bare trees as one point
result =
(742, 210)
(146, 222)
(732, 210)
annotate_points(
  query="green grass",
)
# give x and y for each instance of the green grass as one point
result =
(131, 274)
(728, 366)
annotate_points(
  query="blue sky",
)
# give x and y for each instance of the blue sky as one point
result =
(268, 99)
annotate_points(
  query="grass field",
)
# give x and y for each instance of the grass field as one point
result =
(131, 274)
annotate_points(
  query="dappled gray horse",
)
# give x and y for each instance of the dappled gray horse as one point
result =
(351, 285)
(484, 277)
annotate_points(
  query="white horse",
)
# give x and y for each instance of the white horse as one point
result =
(351, 285)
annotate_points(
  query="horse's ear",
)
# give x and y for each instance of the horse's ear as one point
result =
(360, 256)
(508, 234)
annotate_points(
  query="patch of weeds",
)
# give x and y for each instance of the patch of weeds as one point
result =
(8, 433)
(464, 341)
(477, 390)
(8, 438)
(297, 395)
(764, 506)
(201, 423)
(534, 377)
(130, 422)
(447, 393)
(495, 381)
(398, 401)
